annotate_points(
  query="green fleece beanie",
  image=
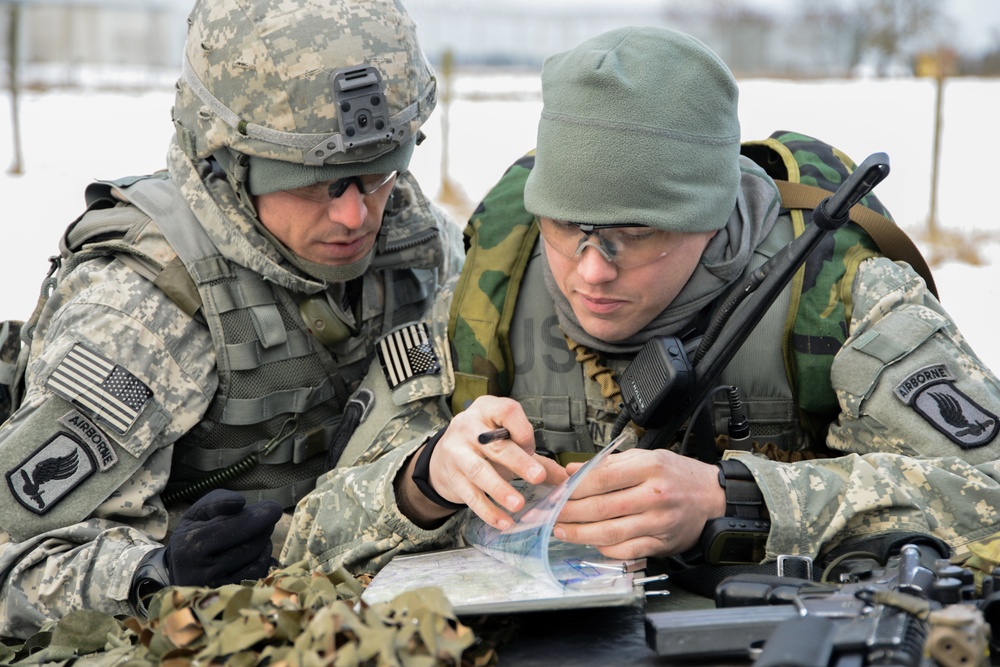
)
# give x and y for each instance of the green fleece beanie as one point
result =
(272, 175)
(639, 126)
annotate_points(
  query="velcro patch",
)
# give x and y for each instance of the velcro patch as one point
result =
(931, 391)
(102, 449)
(407, 353)
(100, 388)
(50, 472)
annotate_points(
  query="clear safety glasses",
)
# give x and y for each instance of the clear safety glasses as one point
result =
(325, 191)
(628, 247)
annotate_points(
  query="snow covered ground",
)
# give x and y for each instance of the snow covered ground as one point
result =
(70, 138)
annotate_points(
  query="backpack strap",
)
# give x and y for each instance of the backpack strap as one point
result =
(499, 239)
(197, 257)
(891, 240)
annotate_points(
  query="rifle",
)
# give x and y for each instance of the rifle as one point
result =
(915, 611)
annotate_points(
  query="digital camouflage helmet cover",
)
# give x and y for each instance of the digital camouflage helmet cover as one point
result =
(310, 82)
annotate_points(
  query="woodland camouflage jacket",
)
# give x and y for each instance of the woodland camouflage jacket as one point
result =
(912, 441)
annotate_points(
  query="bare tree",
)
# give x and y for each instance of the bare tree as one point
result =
(842, 45)
(986, 63)
(895, 31)
(743, 33)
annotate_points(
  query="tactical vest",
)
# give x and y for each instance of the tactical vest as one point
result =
(787, 391)
(569, 412)
(281, 392)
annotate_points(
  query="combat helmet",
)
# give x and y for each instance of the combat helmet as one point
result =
(319, 83)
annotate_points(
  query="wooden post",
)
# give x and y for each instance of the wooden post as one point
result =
(938, 65)
(943, 243)
(447, 68)
(932, 225)
(451, 195)
(13, 33)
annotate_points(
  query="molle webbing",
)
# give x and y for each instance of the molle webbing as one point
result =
(230, 288)
(278, 390)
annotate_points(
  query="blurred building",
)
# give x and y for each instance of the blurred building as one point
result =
(105, 43)
(754, 42)
(77, 42)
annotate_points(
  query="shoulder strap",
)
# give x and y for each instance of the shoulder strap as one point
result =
(161, 201)
(892, 241)
(155, 196)
(807, 170)
(499, 239)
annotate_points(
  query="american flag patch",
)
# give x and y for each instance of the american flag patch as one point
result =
(100, 388)
(407, 353)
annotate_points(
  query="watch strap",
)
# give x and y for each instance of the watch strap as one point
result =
(422, 475)
(744, 499)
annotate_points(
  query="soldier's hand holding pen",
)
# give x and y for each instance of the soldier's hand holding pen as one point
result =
(455, 468)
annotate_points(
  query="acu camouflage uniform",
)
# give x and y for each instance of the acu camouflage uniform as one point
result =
(910, 443)
(125, 383)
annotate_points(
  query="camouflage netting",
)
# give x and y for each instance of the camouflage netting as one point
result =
(294, 618)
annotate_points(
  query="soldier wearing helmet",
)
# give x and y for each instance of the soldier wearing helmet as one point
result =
(206, 329)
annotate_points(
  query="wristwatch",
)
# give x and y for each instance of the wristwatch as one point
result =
(741, 535)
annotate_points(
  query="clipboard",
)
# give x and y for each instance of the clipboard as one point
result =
(522, 568)
(477, 583)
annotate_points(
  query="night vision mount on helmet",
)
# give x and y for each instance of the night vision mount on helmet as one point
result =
(272, 82)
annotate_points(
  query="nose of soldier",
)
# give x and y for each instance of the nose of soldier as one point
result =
(349, 209)
(594, 268)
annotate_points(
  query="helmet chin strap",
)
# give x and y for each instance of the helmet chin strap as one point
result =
(323, 272)
(322, 316)
(326, 273)
(235, 169)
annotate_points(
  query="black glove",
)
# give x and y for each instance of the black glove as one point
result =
(220, 540)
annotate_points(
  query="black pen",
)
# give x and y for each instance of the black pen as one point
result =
(495, 434)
